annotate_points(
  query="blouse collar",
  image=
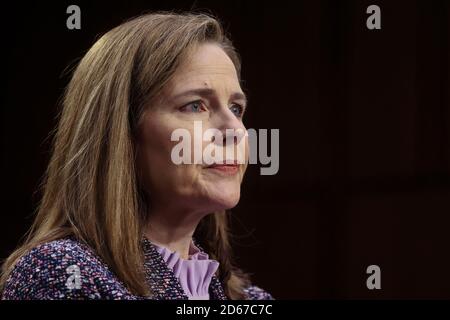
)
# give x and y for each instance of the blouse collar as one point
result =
(194, 274)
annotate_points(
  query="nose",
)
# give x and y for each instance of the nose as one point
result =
(229, 125)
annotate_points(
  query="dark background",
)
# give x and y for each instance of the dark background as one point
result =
(364, 135)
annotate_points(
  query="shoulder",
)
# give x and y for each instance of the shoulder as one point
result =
(256, 293)
(60, 269)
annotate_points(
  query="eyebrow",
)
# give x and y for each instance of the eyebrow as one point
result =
(208, 92)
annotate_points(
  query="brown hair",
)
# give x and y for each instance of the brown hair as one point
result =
(91, 189)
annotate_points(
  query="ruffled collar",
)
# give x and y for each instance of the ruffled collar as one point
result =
(194, 273)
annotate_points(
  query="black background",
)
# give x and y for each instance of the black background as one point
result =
(364, 135)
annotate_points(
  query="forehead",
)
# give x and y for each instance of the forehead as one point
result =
(208, 66)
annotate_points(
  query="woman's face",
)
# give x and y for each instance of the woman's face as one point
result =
(204, 88)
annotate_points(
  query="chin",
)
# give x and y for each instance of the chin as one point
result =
(223, 201)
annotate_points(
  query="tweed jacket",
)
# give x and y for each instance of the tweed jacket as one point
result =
(69, 269)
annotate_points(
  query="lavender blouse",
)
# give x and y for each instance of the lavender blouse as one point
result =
(194, 273)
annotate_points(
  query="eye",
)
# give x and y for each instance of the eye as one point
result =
(195, 106)
(237, 109)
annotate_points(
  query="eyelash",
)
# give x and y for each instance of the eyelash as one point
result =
(182, 109)
(199, 102)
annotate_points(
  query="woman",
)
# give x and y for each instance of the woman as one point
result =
(119, 219)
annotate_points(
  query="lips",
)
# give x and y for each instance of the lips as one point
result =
(224, 167)
(225, 163)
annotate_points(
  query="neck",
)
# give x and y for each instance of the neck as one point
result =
(173, 230)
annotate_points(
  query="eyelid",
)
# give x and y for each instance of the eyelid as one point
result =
(243, 104)
(199, 101)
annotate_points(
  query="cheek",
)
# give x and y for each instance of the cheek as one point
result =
(154, 147)
(159, 174)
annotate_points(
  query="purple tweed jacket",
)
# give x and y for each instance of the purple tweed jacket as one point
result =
(68, 269)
